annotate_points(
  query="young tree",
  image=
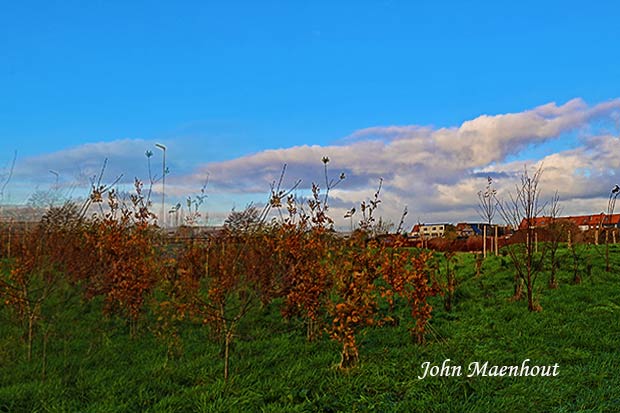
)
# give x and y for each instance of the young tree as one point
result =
(521, 210)
(242, 221)
(304, 239)
(419, 287)
(221, 278)
(449, 286)
(353, 303)
(556, 233)
(28, 280)
(33, 277)
(218, 281)
(487, 207)
(577, 247)
(125, 266)
(302, 249)
(355, 267)
(5, 178)
(214, 286)
(611, 204)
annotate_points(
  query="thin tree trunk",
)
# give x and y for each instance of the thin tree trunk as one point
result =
(479, 261)
(30, 336)
(227, 341)
(576, 277)
(530, 300)
(607, 251)
(8, 247)
(450, 292)
(349, 356)
(484, 241)
(44, 364)
(310, 329)
(552, 279)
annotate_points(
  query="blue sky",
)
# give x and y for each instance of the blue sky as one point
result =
(220, 83)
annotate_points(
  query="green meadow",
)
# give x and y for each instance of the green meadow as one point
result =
(85, 362)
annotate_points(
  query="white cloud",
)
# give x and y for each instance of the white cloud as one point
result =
(436, 172)
(125, 156)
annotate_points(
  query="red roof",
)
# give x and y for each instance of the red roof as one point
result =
(579, 220)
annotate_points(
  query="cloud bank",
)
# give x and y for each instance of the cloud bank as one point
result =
(436, 172)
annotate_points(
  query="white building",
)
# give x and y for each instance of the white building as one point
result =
(429, 230)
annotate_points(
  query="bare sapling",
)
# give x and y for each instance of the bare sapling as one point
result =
(520, 211)
(487, 207)
(611, 204)
(556, 233)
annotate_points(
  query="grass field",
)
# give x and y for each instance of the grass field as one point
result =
(92, 365)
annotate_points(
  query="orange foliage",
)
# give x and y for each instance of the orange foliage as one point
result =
(406, 274)
(354, 301)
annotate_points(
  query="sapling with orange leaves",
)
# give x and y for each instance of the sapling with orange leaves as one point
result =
(302, 245)
(223, 291)
(220, 278)
(126, 258)
(28, 279)
(301, 251)
(354, 300)
(419, 287)
(406, 275)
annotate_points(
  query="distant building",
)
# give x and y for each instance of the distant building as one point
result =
(429, 230)
(466, 230)
(584, 222)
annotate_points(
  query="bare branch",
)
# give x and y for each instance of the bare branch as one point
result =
(8, 177)
(487, 202)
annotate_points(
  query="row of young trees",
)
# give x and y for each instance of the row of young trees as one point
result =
(521, 210)
(335, 285)
(286, 251)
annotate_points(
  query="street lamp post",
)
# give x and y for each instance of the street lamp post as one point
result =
(163, 185)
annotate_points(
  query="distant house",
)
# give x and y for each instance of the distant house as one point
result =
(426, 231)
(466, 230)
(584, 222)
(415, 231)
(602, 220)
(538, 222)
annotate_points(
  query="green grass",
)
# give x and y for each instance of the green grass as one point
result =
(93, 365)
